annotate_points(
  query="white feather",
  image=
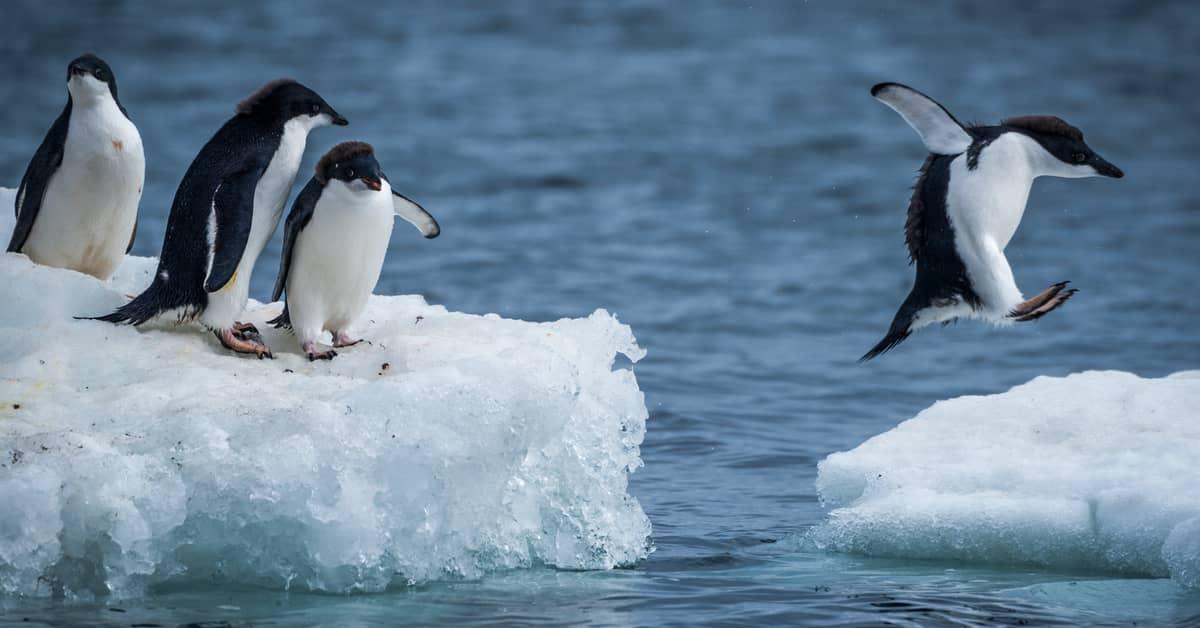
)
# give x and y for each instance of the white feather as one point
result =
(985, 206)
(211, 233)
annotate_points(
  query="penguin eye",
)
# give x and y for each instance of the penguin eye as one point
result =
(99, 74)
(1078, 157)
(315, 109)
(350, 173)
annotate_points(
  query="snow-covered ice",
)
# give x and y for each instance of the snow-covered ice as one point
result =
(453, 446)
(1097, 470)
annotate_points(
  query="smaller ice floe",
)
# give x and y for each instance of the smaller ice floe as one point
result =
(452, 446)
(1097, 470)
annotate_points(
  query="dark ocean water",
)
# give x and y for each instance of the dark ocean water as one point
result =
(716, 174)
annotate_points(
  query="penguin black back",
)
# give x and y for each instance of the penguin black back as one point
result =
(941, 274)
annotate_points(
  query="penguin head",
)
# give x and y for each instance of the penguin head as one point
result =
(353, 165)
(283, 100)
(90, 78)
(1064, 153)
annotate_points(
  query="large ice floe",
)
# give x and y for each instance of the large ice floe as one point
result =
(452, 446)
(1097, 470)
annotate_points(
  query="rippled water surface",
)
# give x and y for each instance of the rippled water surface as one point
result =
(717, 175)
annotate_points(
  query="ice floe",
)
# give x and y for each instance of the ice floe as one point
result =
(453, 446)
(1097, 470)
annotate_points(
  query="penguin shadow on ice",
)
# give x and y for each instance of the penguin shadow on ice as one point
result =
(966, 205)
(225, 211)
(335, 240)
(76, 206)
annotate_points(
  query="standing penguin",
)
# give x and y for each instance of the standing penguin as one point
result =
(226, 209)
(77, 203)
(335, 239)
(966, 205)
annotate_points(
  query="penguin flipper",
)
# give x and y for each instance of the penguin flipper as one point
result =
(132, 236)
(44, 164)
(232, 211)
(416, 215)
(939, 130)
(297, 220)
(283, 321)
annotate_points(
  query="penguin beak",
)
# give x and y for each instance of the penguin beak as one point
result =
(1104, 168)
(372, 182)
(338, 120)
(74, 70)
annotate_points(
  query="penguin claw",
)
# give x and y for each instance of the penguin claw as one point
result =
(342, 340)
(1035, 304)
(313, 356)
(244, 328)
(244, 342)
(1051, 304)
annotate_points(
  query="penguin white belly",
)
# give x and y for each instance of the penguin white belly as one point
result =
(226, 305)
(337, 260)
(90, 205)
(985, 206)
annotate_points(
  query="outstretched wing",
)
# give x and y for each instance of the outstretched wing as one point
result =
(941, 132)
(297, 220)
(416, 215)
(229, 224)
(44, 164)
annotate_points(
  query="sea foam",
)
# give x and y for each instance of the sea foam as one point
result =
(1097, 470)
(451, 446)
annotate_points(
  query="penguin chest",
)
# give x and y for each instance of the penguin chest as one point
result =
(271, 193)
(989, 200)
(985, 206)
(90, 205)
(337, 262)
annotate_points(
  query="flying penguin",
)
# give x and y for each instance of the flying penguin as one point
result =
(77, 203)
(335, 239)
(226, 209)
(966, 205)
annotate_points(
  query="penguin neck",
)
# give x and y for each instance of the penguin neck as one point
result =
(1030, 158)
(92, 96)
(292, 141)
(1012, 157)
(95, 106)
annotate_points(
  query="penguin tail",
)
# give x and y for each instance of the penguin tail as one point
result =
(901, 328)
(283, 321)
(155, 300)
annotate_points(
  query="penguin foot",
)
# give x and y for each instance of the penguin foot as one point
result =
(245, 341)
(1043, 303)
(245, 328)
(314, 354)
(342, 339)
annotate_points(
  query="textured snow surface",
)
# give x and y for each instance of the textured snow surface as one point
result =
(1097, 470)
(452, 446)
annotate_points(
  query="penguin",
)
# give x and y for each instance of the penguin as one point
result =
(226, 209)
(965, 207)
(77, 203)
(334, 242)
